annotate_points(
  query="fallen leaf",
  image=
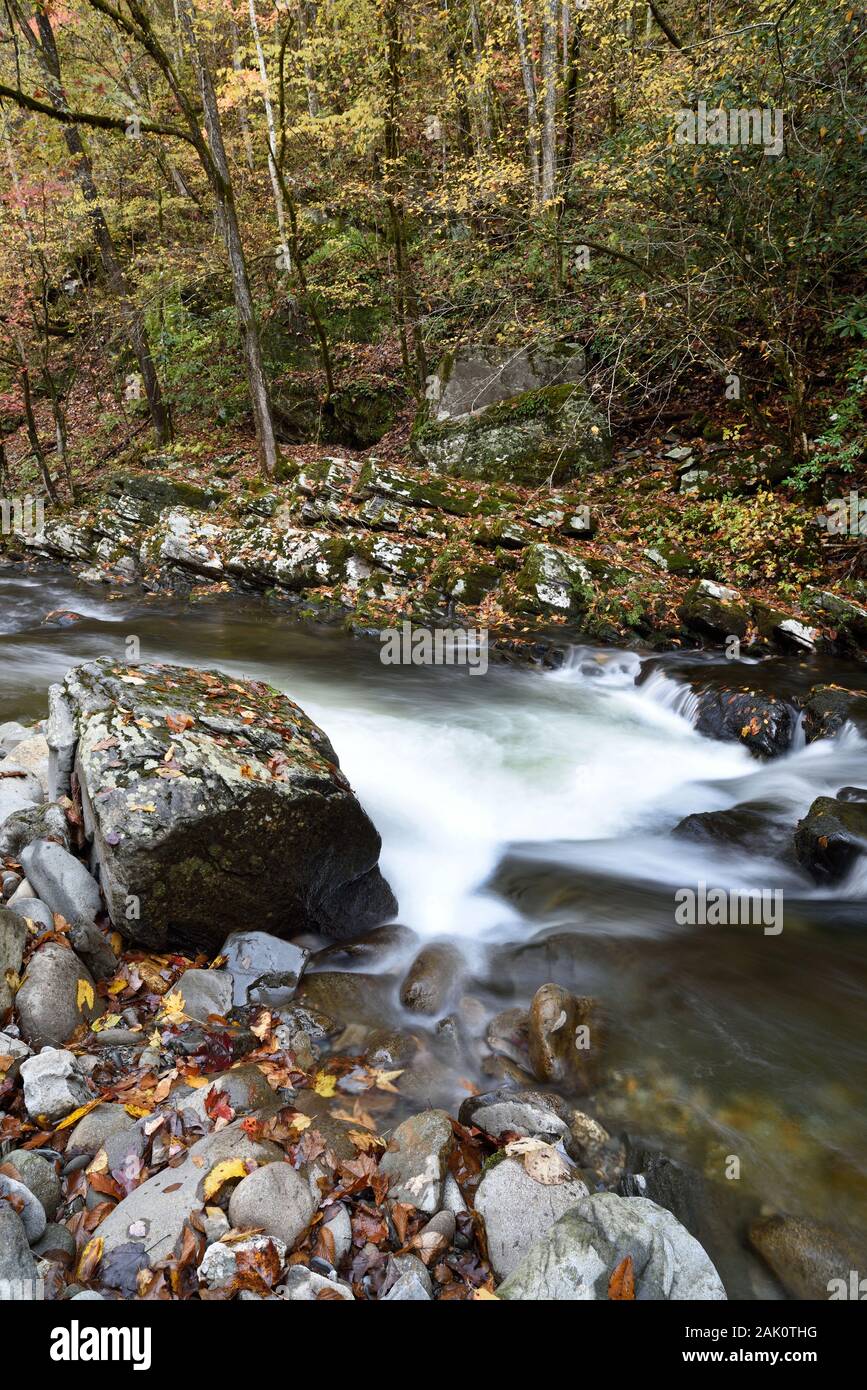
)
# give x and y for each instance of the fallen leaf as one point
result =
(621, 1285)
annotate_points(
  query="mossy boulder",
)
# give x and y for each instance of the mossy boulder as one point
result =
(831, 838)
(714, 611)
(551, 581)
(212, 803)
(523, 416)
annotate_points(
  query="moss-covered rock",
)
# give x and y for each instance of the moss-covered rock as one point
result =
(552, 581)
(547, 435)
(714, 611)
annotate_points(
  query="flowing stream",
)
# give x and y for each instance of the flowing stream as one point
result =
(530, 815)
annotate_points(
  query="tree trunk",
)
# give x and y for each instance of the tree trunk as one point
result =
(260, 396)
(529, 78)
(550, 29)
(285, 255)
(131, 314)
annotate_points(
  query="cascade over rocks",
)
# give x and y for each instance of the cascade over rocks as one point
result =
(211, 803)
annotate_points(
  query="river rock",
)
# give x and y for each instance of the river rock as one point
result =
(39, 1174)
(61, 881)
(508, 1034)
(95, 1128)
(565, 1038)
(407, 1289)
(245, 1088)
(31, 756)
(33, 910)
(432, 979)
(263, 969)
(377, 947)
(350, 997)
(714, 611)
(53, 1085)
(26, 1203)
(276, 1199)
(808, 1258)
(416, 1160)
(93, 947)
(19, 1279)
(154, 1214)
(37, 823)
(535, 1114)
(831, 838)
(18, 793)
(56, 1243)
(54, 999)
(205, 992)
(581, 1251)
(716, 1214)
(220, 803)
(761, 722)
(303, 1285)
(828, 709)
(11, 734)
(220, 1261)
(752, 826)
(517, 1210)
(13, 1051)
(13, 935)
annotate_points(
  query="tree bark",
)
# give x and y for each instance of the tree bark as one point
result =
(529, 79)
(550, 32)
(131, 314)
(218, 171)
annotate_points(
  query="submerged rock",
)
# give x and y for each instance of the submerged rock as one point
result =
(810, 1261)
(565, 1038)
(212, 803)
(581, 1252)
(432, 979)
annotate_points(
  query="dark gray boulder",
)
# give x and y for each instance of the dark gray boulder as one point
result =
(831, 837)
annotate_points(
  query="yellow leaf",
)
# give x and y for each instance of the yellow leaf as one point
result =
(106, 1021)
(222, 1173)
(90, 1258)
(173, 1007)
(384, 1079)
(138, 1112)
(118, 986)
(325, 1084)
(482, 1294)
(77, 1114)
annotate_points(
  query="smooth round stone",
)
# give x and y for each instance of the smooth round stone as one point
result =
(40, 1175)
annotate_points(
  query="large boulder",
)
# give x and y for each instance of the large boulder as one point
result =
(517, 415)
(761, 722)
(582, 1251)
(714, 611)
(212, 803)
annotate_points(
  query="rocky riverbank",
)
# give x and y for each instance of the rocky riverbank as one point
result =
(370, 545)
(194, 1106)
